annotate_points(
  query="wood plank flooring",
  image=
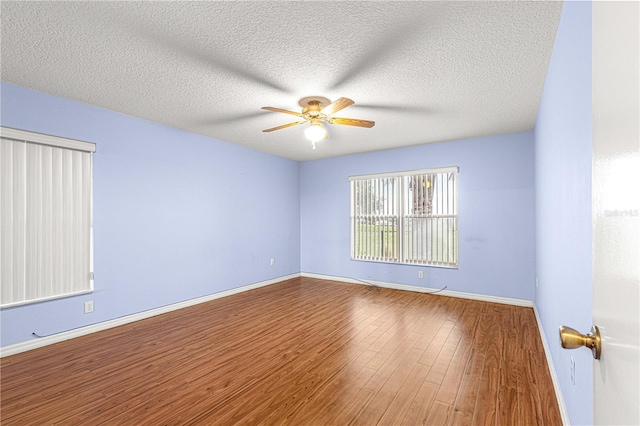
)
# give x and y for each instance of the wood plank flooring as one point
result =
(301, 352)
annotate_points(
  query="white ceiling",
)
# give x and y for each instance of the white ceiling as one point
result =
(423, 71)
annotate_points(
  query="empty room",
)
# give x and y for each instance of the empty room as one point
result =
(319, 213)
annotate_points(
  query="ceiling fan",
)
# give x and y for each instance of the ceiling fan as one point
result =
(316, 110)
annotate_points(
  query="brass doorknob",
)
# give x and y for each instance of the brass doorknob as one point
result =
(572, 339)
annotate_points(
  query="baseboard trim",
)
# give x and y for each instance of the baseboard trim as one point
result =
(56, 338)
(82, 331)
(564, 414)
(459, 294)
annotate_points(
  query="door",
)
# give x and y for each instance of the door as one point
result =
(616, 211)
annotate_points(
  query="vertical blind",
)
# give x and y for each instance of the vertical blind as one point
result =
(406, 217)
(45, 217)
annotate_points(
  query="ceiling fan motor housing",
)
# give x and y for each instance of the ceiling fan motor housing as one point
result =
(313, 104)
(312, 107)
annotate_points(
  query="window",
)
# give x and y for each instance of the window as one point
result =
(45, 217)
(406, 217)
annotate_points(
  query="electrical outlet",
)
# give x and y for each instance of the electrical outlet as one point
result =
(420, 274)
(573, 371)
(88, 307)
(536, 282)
(273, 261)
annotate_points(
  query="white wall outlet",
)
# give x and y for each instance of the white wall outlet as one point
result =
(88, 307)
(420, 274)
(273, 261)
(536, 282)
(573, 371)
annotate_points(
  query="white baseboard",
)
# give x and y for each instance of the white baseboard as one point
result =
(459, 294)
(554, 377)
(60, 337)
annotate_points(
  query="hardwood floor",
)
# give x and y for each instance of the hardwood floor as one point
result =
(301, 352)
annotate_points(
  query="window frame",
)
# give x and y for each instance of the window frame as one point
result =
(399, 204)
(29, 137)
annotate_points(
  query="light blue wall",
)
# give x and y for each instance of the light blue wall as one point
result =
(563, 203)
(496, 215)
(176, 215)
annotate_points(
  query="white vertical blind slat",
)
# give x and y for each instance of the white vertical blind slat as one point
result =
(66, 225)
(32, 282)
(86, 214)
(6, 222)
(46, 238)
(57, 247)
(76, 200)
(19, 201)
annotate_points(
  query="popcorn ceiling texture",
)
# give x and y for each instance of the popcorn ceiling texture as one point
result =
(424, 71)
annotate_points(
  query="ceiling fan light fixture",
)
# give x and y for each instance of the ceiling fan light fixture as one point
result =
(315, 132)
(315, 111)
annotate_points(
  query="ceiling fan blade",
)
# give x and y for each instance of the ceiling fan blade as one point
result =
(337, 106)
(284, 126)
(352, 122)
(297, 114)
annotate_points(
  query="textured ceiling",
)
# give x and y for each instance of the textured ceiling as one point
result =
(423, 71)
